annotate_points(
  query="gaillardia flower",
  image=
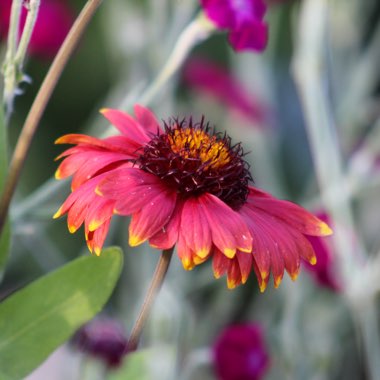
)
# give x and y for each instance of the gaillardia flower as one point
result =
(184, 185)
(243, 19)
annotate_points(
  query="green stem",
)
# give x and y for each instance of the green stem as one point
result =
(40, 102)
(155, 285)
(14, 23)
(31, 19)
(9, 69)
(198, 30)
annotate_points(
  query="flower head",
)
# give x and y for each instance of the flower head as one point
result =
(185, 185)
(240, 353)
(243, 19)
(104, 339)
(53, 23)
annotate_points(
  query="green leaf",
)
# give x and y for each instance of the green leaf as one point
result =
(5, 235)
(3, 149)
(151, 363)
(37, 319)
(5, 240)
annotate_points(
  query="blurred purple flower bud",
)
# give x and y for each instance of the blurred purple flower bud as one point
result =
(240, 353)
(53, 23)
(103, 339)
(211, 79)
(243, 19)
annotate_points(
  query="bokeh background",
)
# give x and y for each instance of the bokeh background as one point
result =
(324, 325)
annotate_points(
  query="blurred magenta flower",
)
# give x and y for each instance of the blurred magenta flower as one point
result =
(53, 23)
(243, 19)
(239, 353)
(211, 79)
(323, 271)
(103, 339)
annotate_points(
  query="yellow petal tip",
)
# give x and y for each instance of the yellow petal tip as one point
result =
(294, 276)
(57, 174)
(231, 284)
(203, 253)
(277, 281)
(187, 264)
(229, 252)
(94, 224)
(103, 110)
(262, 287)
(325, 229)
(313, 260)
(135, 240)
(72, 228)
(58, 213)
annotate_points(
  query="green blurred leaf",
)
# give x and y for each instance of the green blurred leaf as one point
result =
(151, 363)
(5, 235)
(5, 240)
(43, 315)
(134, 368)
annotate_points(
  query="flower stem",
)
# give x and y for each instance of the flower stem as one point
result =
(14, 61)
(31, 19)
(155, 285)
(8, 68)
(40, 102)
(197, 31)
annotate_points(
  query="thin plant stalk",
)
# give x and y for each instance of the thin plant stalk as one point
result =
(14, 62)
(308, 66)
(31, 124)
(9, 69)
(154, 287)
(198, 30)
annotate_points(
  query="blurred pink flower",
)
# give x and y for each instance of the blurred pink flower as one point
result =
(243, 19)
(323, 271)
(209, 78)
(53, 23)
(104, 339)
(240, 353)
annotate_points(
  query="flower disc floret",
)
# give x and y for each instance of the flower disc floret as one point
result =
(192, 160)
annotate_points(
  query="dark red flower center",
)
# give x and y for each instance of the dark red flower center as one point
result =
(192, 160)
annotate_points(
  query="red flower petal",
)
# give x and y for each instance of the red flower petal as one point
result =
(167, 236)
(220, 263)
(94, 164)
(131, 188)
(95, 239)
(152, 217)
(98, 213)
(276, 245)
(233, 274)
(147, 119)
(74, 138)
(127, 125)
(289, 212)
(229, 231)
(245, 264)
(185, 253)
(195, 228)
